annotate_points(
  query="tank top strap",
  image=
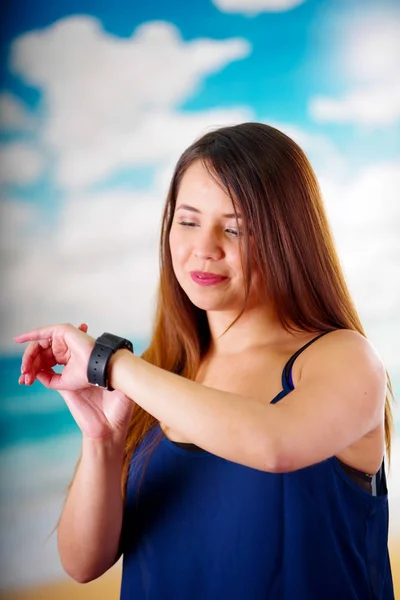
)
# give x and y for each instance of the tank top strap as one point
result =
(379, 484)
(287, 381)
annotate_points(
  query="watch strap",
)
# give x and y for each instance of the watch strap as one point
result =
(106, 345)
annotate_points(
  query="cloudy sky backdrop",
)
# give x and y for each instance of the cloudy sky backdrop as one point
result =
(98, 100)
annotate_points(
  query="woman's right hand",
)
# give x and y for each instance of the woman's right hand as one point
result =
(98, 412)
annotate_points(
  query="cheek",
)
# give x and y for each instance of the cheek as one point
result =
(177, 246)
(234, 260)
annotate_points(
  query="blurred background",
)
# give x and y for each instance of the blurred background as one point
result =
(97, 101)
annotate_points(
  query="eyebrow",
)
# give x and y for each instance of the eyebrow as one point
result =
(196, 210)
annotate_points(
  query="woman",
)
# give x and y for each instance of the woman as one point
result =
(250, 436)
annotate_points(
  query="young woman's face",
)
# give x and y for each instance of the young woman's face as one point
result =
(204, 243)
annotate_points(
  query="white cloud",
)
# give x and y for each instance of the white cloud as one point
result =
(371, 47)
(364, 213)
(369, 63)
(371, 106)
(160, 137)
(368, 201)
(20, 163)
(110, 100)
(17, 220)
(14, 115)
(99, 264)
(256, 6)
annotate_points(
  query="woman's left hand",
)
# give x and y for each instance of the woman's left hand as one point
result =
(56, 345)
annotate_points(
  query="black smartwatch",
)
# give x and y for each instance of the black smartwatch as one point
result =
(104, 348)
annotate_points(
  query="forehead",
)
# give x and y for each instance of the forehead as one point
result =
(200, 190)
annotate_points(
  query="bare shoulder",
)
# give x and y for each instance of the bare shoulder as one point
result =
(346, 351)
(346, 337)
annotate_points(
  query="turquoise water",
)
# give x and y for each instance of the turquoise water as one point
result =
(31, 413)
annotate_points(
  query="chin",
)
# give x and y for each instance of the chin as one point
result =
(202, 304)
(207, 304)
(206, 298)
(207, 307)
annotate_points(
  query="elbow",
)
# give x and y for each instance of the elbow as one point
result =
(277, 460)
(79, 573)
(283, 465)
(81, 578)
(86, 571)
(82, 575)
(83, 565)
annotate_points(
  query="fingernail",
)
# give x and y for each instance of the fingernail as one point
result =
(22, 369)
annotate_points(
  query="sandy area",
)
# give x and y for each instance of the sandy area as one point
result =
(107, 587)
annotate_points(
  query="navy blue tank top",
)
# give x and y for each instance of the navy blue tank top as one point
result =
(200, 527)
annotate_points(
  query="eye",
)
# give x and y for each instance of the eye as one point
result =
(234, 232)
(187, 223)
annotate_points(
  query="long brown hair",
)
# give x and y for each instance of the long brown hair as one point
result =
(272, 184)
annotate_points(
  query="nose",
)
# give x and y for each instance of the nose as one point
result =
(207, 247)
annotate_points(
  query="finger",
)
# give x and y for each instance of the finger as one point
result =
(50, 379)
(40, 334)
(33, 350)
(42, 362)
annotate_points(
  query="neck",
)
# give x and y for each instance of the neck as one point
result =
(258, 326)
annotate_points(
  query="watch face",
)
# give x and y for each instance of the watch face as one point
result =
(114, 341)
(109, 340)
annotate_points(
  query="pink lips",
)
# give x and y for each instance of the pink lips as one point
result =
(202, 278)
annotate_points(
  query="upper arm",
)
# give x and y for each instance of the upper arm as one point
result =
(339, 399)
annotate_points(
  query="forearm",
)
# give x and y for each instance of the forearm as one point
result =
(91, 522)
(226, 424)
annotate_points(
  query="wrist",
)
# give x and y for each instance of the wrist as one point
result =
(118, 361)
(109, 447)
